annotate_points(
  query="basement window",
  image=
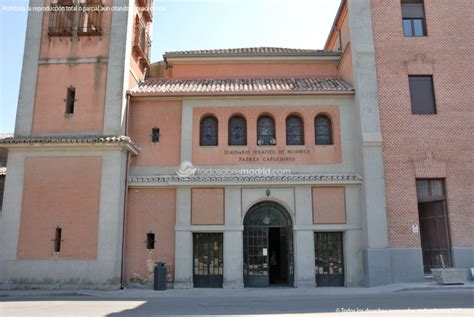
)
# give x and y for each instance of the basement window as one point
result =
(57, 240)
(70, 100)
(150, 241)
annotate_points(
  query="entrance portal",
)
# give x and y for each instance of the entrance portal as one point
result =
(268, 246)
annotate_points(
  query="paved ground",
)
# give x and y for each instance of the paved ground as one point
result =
(281, 302)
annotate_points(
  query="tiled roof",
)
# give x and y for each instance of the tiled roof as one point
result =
(251, 51)
(167, 87)
(73, 139)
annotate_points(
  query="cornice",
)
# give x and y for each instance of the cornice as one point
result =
(70, 141)
(234, 180)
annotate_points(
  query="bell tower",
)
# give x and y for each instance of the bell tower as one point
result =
(67, 166)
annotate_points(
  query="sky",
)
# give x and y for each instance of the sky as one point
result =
(185, 25)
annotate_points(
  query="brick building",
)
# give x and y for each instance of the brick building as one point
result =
(240, 167)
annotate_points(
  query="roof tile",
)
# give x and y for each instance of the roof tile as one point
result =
(251, 51)
(241, 86)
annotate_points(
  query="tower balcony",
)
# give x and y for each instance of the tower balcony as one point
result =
(146, 7)
(142, 47)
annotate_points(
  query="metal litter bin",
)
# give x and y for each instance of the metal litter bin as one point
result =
(160, 277)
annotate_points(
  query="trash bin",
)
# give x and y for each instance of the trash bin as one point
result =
(160, 277)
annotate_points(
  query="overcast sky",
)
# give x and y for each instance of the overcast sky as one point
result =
(186, 25)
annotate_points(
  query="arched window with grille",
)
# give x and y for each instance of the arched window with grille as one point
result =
(237, 130)
(323, 130)
(208, 131)
(294, 130)
(266, 130)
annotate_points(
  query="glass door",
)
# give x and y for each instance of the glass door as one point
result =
(256, 256)
(329, 262)
(208, 259)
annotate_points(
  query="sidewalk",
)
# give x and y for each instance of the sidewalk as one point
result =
(243, 292)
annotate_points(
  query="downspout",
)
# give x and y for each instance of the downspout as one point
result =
(340, 39)
(125, 200)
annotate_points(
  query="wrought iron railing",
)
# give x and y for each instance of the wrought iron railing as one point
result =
(142, 44)
(90, 19)
(66, 17)
(61, 20)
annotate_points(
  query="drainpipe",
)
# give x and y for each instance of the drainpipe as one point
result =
(340, 38)
(125, 200)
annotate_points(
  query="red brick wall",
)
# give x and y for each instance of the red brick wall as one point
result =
(447, 52)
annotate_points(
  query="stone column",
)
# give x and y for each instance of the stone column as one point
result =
(183, 277)
(233, 239)
(376, 255)
(303, 238)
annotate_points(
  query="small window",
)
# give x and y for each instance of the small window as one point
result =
(422, 95)
(208, 131)
(150, 241)
(237, 131)
(57, 240)
(70, 100)
(266, 131)
(413, 14)
(155, 135)
(323, 130)
(294, 130)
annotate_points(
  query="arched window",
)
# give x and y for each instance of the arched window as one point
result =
(208, 131)
(265, 131)
(237, 130)
(294, 130)
(323, 130)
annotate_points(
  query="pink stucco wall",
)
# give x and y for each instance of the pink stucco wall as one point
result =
(89, 81)
(345, 66)
(68, 47)
(329, 205)
(249, 69)
(308, 153)
(165, 115)
(64, 192)
(149, 210)
(207, 206)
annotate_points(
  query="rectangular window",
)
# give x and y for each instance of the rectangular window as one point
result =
(70, 100)
(413, 14)
(429, 189)
(422, 95)
(155, 135)
(150, 241)
(57, 240)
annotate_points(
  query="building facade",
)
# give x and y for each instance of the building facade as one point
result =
(239, 167)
